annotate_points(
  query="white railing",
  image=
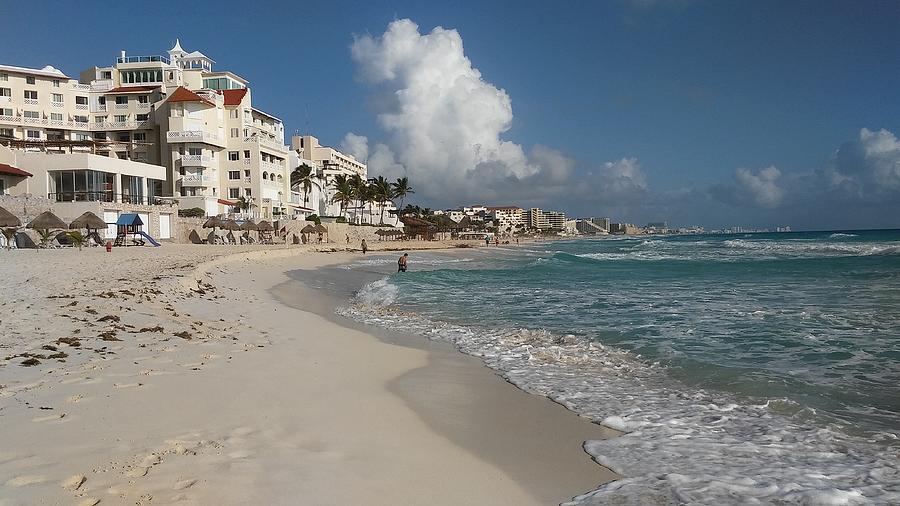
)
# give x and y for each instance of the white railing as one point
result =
(81, 87)
(193, 136)
(143, 105)
(31, 101)
(268, 142)
(58, 104)
(246, 161)
(104, 85)
(196, 160)
(121, 106)
(8, 119)
(196, 180)
(81, 107)
(247, 179)
(34, 121)
(99, 108)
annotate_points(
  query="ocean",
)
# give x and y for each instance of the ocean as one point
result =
(749, 368)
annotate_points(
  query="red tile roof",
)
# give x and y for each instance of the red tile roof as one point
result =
(12, 171)
(132, 89)
(233, 97)
(183, 94)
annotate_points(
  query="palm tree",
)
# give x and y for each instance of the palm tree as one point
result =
(243, 204)
(304, 177)
(359, 189)
(382, 193)
(78, 239)
(343, 192)
(401, 189)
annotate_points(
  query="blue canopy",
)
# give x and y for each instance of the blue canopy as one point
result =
(129, 219)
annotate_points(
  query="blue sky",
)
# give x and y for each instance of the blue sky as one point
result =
(671, 98)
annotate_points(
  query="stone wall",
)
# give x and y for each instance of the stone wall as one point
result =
(25, 207)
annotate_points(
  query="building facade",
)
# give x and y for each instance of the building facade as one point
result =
(171, 110)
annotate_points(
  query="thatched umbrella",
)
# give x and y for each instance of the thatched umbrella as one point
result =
(45, 222)
(231, 225)
(264, 228)
(309, 229)
(213, 222)
(8, 219)
(249, 225)
(8, 225)
(91, 222)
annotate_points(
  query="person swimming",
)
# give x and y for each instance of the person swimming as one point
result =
(401, 264)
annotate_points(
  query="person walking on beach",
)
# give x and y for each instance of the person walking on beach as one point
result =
(401, 264)
(365, 247)
(348, 238)
(487, 241)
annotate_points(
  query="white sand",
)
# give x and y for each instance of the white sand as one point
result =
(263, 404)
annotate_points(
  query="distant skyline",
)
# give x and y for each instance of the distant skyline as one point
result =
(695, 112)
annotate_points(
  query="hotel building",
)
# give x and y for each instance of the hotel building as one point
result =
(171, 110)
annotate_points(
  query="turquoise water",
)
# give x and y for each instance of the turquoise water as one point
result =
(785, 346)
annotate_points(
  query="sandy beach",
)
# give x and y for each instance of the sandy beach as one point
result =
(205, 375)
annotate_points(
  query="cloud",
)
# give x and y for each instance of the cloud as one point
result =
(442, 121)
(867, 167)
(356, 145)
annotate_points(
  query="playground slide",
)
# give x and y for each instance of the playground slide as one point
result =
(149, 239)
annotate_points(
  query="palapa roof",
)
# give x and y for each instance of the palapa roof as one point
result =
(47, 220)
(321, 229)
(231, 225)
(265, 226)
(88, 220)
(309, 229)
(8, 219)
(412, 221)
(249, 225)
(213, 222)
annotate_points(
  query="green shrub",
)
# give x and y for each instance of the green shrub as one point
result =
(340, 219)
(194, 212)
(314, 218)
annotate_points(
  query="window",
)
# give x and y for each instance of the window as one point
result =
(123, 137)
(247, 192)
(100, 136)
(142, 117)
(140, 136)
(31, 94)
(4, 77)
(121, 118)
(5, 112)
(58, 98)
(34, 134)
(195, 151)
(78, 136)
(234, 174)
(100, 119)
(265, 176)
(81, 100)
(32, 114)
(247, 173)
(80, 119)
(122, 99)
(233, 156)
(140, 156)
(247, 153)
(6, 132)
(234, 114)
(5, 92)
(56, 83)
(234, 193)
(143, 99)
(101, 100)
(234, 132)
(55, 116)
(106, 74)
(29, 79)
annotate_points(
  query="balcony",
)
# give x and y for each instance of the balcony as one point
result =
(104, 196)
(175, 136)
(58, 104)
(267, 142)
(81, 107)
(143, 59)
(196, 180)
(122, 106)
(197, 161)
(5, 99)
(31, 101)
(99, 108)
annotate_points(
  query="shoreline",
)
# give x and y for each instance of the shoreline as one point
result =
(170, 415)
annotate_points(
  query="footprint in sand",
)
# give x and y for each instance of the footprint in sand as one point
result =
(127, 385)
(49, 418)
(30, 479)
(74, 483)
(183, 484)
(75, 398)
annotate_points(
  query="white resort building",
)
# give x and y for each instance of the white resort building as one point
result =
(170, 110)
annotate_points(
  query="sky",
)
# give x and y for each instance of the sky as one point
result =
(696, 112)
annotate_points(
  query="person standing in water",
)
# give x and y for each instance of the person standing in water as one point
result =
(401, 264)
(365, 247)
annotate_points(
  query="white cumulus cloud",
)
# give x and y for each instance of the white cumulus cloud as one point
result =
(761, 187)
(356, 145)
